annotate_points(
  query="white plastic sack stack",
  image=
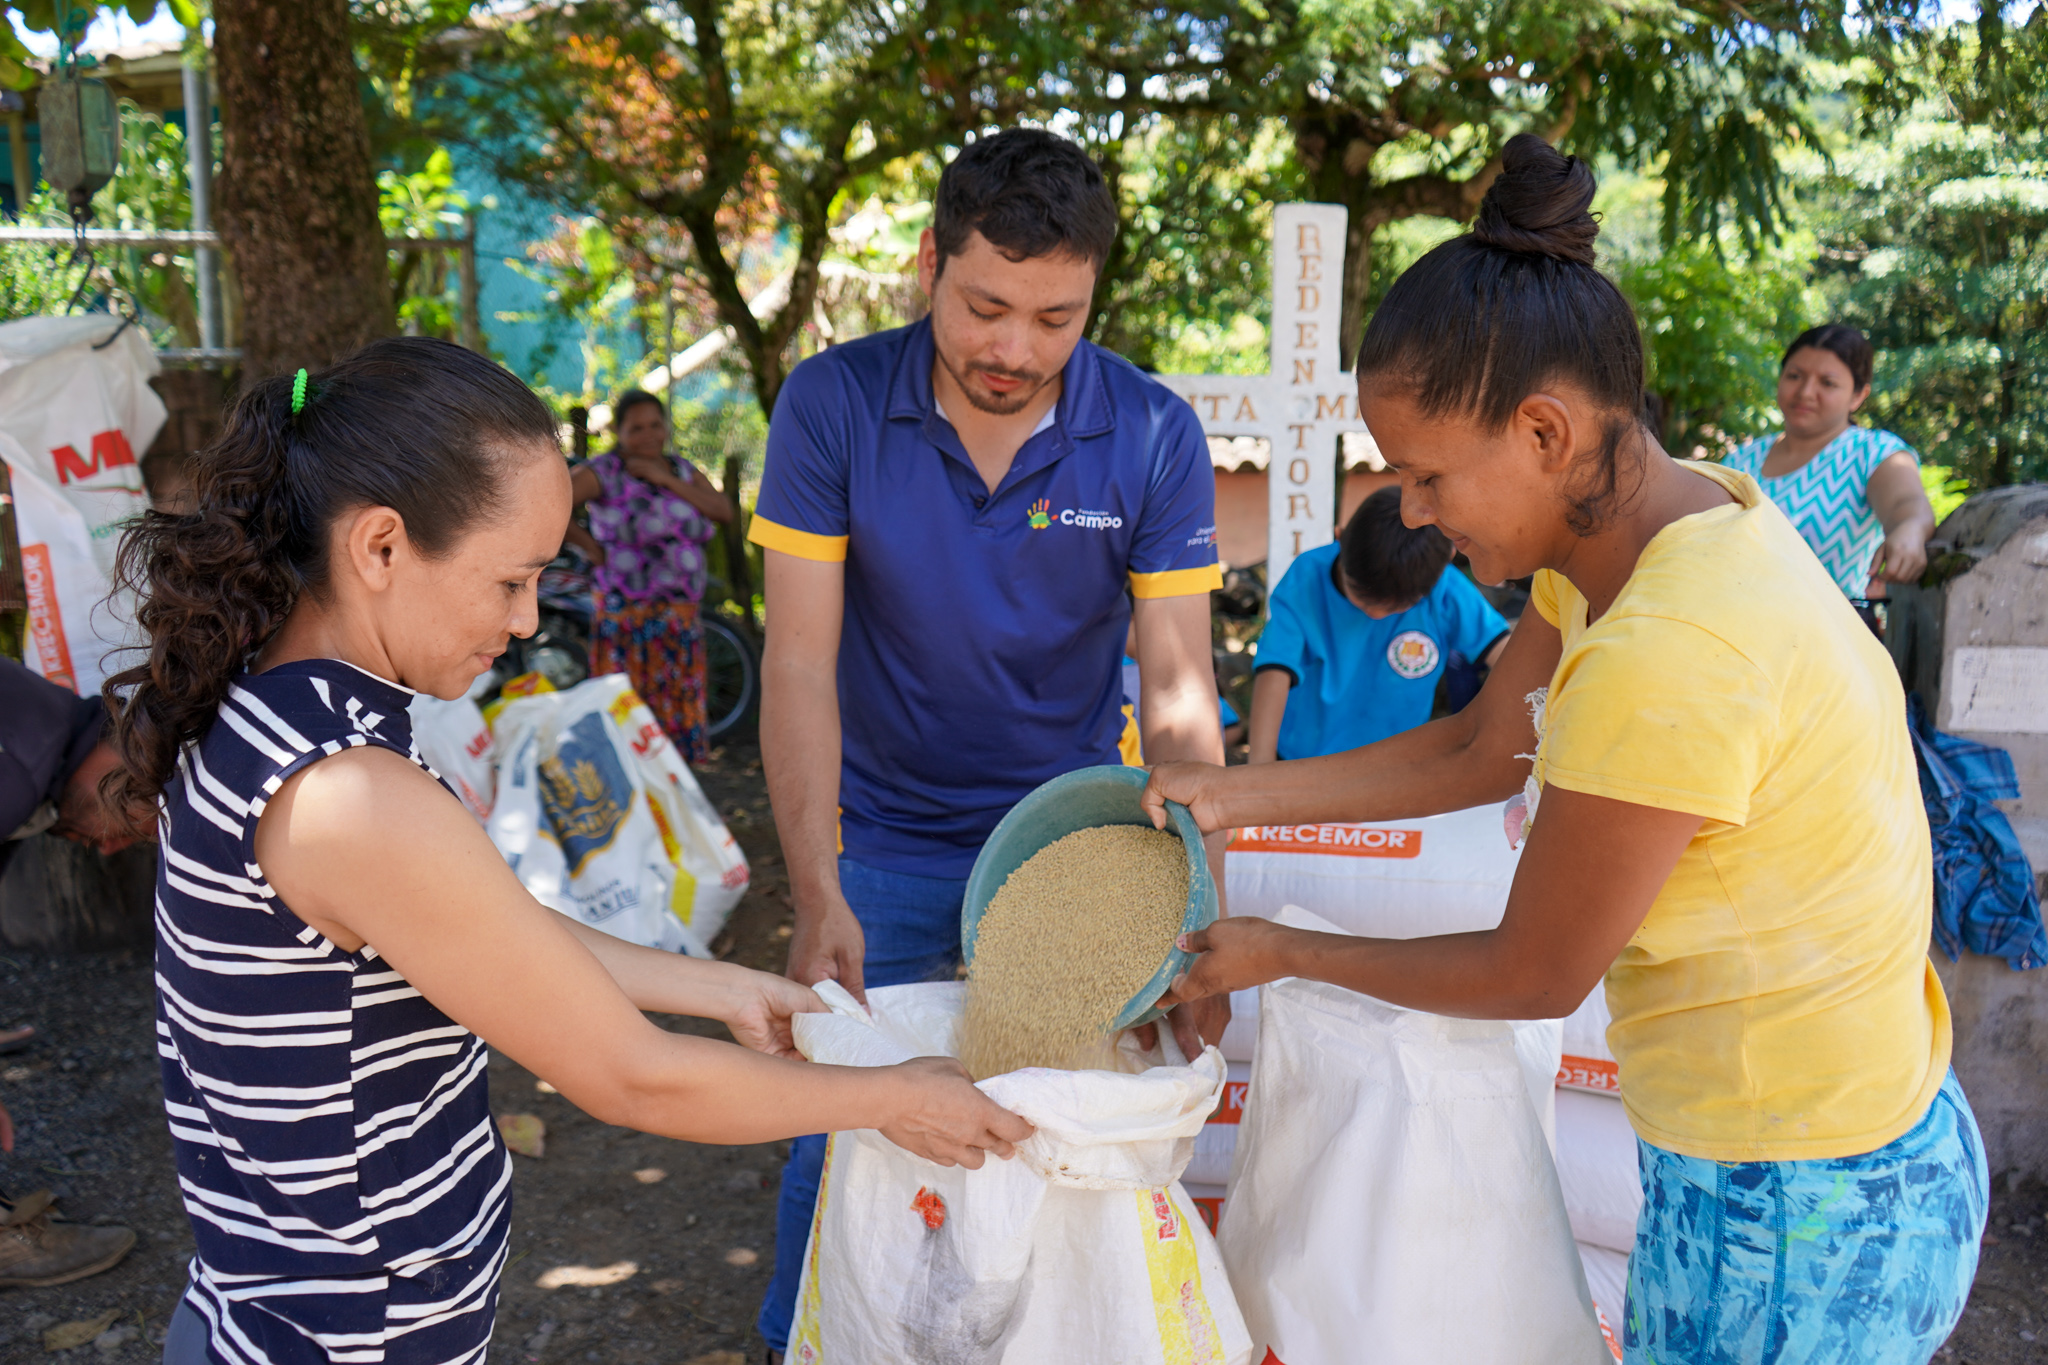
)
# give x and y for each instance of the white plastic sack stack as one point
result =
(1607, 1281)
(79, 418)
(1588, 1064)
(1083, 1248)
(1596, 1159)
(455, 740)
(1208, 1173)
(1393, 1198)
(1538, 1044)
(1443, 874)
(1216, 1144)
(1597, 1169)
(600, 818)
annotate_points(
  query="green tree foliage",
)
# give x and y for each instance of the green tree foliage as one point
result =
(410, 50)
(703, 132)
(68, 18)
(1934, 240)
(1713, 330)
(1715, 316)
(425, 204)
(1400, 108)
(731, 125)
(589, 286)
(150, 192)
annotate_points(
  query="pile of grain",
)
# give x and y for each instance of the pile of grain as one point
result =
(1069, 938)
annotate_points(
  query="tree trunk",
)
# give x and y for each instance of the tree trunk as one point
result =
(298, 199)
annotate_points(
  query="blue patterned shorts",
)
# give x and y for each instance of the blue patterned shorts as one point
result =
(1861, 1260)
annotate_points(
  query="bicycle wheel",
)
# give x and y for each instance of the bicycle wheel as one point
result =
(732, 677)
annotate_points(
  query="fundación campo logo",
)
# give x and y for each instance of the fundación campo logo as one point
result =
(1041, 517)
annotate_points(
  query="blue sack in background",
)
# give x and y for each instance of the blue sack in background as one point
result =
(1985, 899)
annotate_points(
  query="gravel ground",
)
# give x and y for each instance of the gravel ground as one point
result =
(687, 1250)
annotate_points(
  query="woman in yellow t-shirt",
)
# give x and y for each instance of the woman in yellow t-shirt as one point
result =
(1723, 816)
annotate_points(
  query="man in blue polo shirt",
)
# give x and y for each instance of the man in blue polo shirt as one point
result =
(961, 518)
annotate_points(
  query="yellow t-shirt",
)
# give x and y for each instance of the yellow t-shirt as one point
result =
(1777, 1003)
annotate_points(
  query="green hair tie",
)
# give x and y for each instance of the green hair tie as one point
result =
(299, 392)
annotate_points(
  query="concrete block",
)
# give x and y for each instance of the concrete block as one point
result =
(1987, 589)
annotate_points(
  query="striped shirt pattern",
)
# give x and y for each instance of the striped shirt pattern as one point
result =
(347, 1187)
(1827, 499)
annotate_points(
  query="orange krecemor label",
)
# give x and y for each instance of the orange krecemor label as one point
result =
(45, 621)
(1607, 1333)
(1231, 1110)
(1590, 1073)
(1350, 841)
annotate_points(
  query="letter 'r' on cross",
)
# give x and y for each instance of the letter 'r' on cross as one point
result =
(1305, 402)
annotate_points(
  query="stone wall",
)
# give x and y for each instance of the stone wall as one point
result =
(1990, 558)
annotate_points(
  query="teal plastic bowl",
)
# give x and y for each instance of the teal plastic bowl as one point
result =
(1084, 799)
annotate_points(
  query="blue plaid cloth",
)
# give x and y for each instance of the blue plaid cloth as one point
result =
(1985, 899)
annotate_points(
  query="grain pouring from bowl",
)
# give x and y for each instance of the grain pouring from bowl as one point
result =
(1070, 922)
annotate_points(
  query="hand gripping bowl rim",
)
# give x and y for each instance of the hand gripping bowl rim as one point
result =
(984, 881)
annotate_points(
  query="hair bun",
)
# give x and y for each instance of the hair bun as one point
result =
(1538, 204)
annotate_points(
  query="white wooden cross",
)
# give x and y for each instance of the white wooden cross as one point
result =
(1305, 403)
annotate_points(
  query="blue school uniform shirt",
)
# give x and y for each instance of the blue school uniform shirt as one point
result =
(982, 632)
(1357, 680)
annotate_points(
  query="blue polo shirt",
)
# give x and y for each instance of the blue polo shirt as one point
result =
(1357, 680)
(983, 631)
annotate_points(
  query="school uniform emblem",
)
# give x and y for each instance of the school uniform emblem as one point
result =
(1412, 654)
(1041, 515)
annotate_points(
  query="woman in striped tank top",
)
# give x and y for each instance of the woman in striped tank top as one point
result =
(338, 943)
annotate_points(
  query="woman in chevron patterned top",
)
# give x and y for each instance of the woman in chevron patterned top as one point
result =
(361, 534)
(1854, 493)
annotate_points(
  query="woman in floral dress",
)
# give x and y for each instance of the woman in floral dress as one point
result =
(651, 514)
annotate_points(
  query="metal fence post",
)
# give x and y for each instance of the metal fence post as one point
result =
(199, 169)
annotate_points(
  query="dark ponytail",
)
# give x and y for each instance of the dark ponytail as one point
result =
(416, 425)
(1490, 317)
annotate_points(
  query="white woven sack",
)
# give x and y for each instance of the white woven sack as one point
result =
(1588, 1062)
(74, 391)
(1216, 1144)
(455, 740)
(1394, 1201)
(1441, 874)
(1607, 1279)
(1597, 1167)
(1215, 1149)
(1083, 1247)
(600, 818)
(74, 634)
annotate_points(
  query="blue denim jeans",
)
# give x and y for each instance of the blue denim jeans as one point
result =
(1861, 1260)
(185, 1342)
(912, 928)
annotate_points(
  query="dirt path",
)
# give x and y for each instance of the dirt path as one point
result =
(688, 1253)
(699, 1239)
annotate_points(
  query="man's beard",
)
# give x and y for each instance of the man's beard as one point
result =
(997, 406)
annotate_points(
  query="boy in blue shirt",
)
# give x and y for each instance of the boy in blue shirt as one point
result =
(1358, 636)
